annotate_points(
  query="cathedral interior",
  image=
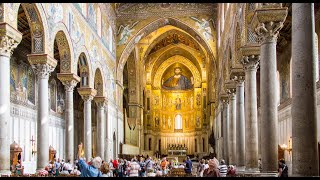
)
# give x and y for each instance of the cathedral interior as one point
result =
(235, 81)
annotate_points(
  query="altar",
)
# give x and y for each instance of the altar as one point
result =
(177, 150)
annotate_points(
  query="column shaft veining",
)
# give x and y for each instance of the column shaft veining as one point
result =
(267, 30)
(304, 110)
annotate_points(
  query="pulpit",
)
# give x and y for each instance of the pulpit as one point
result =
(15, 153)
(52, 153)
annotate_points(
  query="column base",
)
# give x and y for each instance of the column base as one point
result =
(241, 169)
(251, 172)
(270, 174)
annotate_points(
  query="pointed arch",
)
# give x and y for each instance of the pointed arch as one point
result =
(65, 46)
(38, 26)
(152, 27)
(83, 52)
(99, 83)
(84, 71)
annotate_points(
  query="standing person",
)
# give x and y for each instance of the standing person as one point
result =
(188, 168)
(283, 168)
(142, 164)
(200, 168)
(213, 170)
(223, 168)
(115, 164)
(149, 164)
(90, 170)
(134, 168)
(57, 165)
(68, 166)
(164, 166)
(111, 167)
(121, 168)
(105, 170)
(259, 164)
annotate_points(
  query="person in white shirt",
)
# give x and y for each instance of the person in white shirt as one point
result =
(75, 171)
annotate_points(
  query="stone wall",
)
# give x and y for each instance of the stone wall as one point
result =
(23, 128)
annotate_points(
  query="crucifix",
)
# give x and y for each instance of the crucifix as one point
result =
(32, 145)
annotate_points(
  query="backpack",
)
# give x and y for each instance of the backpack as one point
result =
(143, 167)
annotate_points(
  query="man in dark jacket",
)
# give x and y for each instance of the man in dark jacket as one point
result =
(188, 168)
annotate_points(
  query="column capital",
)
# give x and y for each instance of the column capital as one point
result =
(42, 64)
(224, 98)
(101, 101)
(230, 87)
(69, 80)
(268, 20)
(250, 57)
(87, 93)
(9, 39)
(237, 75)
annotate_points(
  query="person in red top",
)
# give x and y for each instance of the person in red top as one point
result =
(115, 164)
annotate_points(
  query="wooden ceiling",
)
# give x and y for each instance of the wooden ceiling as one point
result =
(23, 26)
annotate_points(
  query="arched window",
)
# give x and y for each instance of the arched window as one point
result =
(84, 79)
(178, 122)
(99, 21)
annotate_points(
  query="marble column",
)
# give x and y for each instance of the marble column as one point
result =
(69, 81)
(305, 161)
(87, 95)
(240, 122)
(101, 125)
(267, 24)
(225, 121)
(250, 63)
(106, 137)
(7, 45)
(231, 90)
(42, 65)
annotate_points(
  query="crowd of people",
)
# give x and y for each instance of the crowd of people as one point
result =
(141, 167)
(137, 167)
